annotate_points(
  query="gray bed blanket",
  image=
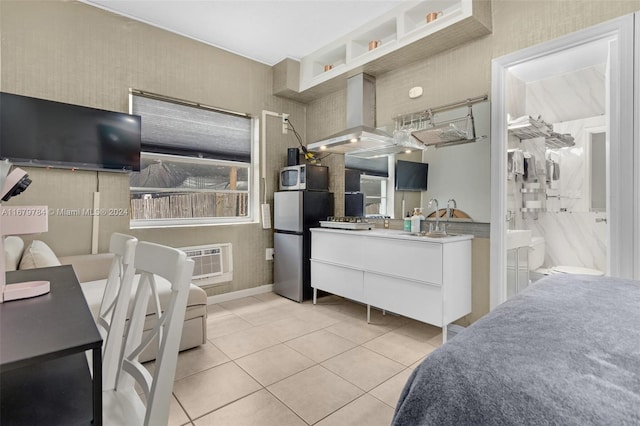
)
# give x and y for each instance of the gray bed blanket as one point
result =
(565, 351)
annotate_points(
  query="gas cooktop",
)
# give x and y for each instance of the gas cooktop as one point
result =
(346, 222)
(347, 219)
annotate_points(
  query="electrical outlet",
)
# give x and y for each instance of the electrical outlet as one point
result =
(269, 254)
(285, 125)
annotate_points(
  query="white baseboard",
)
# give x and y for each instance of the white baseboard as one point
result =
(239, 294)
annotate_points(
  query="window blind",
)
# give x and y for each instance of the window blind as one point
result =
(179, 129)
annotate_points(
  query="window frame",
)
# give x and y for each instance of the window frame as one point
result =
(383, 168)
(383, 181)
(253, 194)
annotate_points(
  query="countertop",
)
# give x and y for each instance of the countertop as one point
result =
(460, 227)
(396, 234)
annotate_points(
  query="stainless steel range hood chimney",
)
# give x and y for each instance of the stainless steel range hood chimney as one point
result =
(361, 136)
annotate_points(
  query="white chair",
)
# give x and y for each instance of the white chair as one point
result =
(123, 405)
(113, 313)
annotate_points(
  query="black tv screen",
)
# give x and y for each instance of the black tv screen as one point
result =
(351, 180)
(42, 133)
(411, 176)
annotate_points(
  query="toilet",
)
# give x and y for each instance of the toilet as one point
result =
(536, 260)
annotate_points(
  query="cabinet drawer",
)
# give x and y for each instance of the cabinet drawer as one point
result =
(346, 282)
(412, 299)
(338, 248)
(415, 260)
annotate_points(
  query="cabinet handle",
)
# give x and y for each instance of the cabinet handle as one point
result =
(601, 219)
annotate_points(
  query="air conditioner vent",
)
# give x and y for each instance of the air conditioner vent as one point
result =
(212, 263)
(208, 263)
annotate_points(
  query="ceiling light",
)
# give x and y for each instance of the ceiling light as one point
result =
(353, 140)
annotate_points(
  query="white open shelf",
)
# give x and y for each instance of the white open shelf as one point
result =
(335, 57)
(385, 33)
(459, 22)
(414, 19)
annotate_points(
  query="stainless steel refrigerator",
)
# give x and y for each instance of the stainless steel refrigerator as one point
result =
(295, 212)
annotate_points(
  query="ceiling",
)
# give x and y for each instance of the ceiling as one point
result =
(566, 61)
(266, 31)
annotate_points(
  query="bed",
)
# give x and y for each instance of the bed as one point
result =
(565, 351)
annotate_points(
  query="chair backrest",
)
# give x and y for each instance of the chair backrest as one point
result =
(113, 313)
(174, 266)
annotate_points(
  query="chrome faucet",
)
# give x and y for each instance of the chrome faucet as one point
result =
(434, 201)
(449, 211)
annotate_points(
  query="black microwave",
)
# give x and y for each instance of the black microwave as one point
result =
(304, 177)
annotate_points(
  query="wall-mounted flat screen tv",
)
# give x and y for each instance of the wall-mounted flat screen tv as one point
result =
(41, 133)
(351, 180)
(411, 176)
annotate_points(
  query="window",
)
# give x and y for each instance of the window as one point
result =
(375, 194)
(374, 182)
(196, 164)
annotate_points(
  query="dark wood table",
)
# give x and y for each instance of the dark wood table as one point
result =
(44, 374)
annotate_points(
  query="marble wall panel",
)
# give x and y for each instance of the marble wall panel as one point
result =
(571, 239)
(568, 96)
(574, 163)
(572, 236)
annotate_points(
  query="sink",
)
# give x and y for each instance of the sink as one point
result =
(434, 234)
(518, 238)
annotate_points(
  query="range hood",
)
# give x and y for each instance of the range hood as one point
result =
(446, 125)
(361, 138)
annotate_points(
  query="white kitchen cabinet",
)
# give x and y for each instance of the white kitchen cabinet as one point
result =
(413, 260)
(339, 279)
(402, 35)
(459, 21)
(427, 279)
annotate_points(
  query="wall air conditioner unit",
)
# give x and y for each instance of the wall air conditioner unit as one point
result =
(213, 263)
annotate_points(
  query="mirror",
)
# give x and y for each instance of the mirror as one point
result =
(598, 178)
(405, 201)
(460, 172)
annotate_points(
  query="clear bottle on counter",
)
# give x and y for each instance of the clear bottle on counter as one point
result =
(416, 220)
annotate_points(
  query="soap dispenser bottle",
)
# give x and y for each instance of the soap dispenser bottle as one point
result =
(416, 220)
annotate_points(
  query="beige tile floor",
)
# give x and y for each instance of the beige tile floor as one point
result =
(271, 361)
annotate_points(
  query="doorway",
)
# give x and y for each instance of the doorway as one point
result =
(601, 53)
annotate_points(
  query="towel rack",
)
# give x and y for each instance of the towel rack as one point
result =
(528, 127)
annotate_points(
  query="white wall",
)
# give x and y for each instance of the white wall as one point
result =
(463, 172)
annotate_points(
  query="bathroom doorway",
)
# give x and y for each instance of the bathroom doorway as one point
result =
(548, 103)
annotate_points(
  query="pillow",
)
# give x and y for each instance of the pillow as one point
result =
(38, 255)
(13, 247)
